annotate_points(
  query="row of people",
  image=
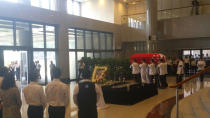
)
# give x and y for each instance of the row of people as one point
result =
(146, 73)
(152, 71)
(190, 65)
(56, 95)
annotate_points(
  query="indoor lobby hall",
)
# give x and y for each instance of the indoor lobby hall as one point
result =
(139, 110)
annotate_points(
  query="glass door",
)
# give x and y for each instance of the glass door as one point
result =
(17, 62)
(196, 54)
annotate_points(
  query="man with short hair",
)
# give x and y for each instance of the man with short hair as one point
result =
(161, 70)
(86, 95)
(135, 71)
(35, 97)
(143, 71)
(57, 94)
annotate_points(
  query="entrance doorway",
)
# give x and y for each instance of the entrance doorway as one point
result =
(17, 62)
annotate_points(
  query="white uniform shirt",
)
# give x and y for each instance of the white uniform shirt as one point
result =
(143, 68)
(180, 68)
(57, 93)
(34, 94)
(152, 69)
(135, 68)
(76, 91)
(161, 68)
(201, 65)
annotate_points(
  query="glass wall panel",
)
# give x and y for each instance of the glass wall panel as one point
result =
(46, 4)
(88, 40)
(23, 34)
(196, 53)
(74, 7)
(80, 39)
(38, 36)
(72, 65)
(52, 4)
(95, 40)
(36, 3)
(90, 54)
(103, 55)
(6, 33)
(80, 55)
(110, 54)
(51, 61)
(206, 53)
(102, 41)
(109, 43)
(40, 64)
(69, 7)
(50, 36)
(186, 52)
(71, 39)
(96, 55)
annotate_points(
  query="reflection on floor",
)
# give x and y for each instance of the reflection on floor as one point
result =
(139, 110)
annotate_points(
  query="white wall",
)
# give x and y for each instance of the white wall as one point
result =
(102, 10)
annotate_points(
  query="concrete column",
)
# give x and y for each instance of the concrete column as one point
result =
(151, 24)
(61, 5)
(63, 50)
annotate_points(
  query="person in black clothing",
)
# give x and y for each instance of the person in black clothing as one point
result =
(86, 96)
(195, 7)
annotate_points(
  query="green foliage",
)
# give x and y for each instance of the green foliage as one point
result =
(117, 67)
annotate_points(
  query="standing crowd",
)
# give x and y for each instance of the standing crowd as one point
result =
(56, 96)
(148, 73)
(156, 72)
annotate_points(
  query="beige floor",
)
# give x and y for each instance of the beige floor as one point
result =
(139, 110)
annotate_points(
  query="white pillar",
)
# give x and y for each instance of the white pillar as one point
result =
(151, 24)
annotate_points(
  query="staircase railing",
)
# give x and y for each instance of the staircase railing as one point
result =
(181, 83)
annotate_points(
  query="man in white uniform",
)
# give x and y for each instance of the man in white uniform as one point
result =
(180, 71)
(135, 70)
(57, 94)
(162, 72)
(143, 70)
(201, 65)
(152, 71)
(35, 97)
